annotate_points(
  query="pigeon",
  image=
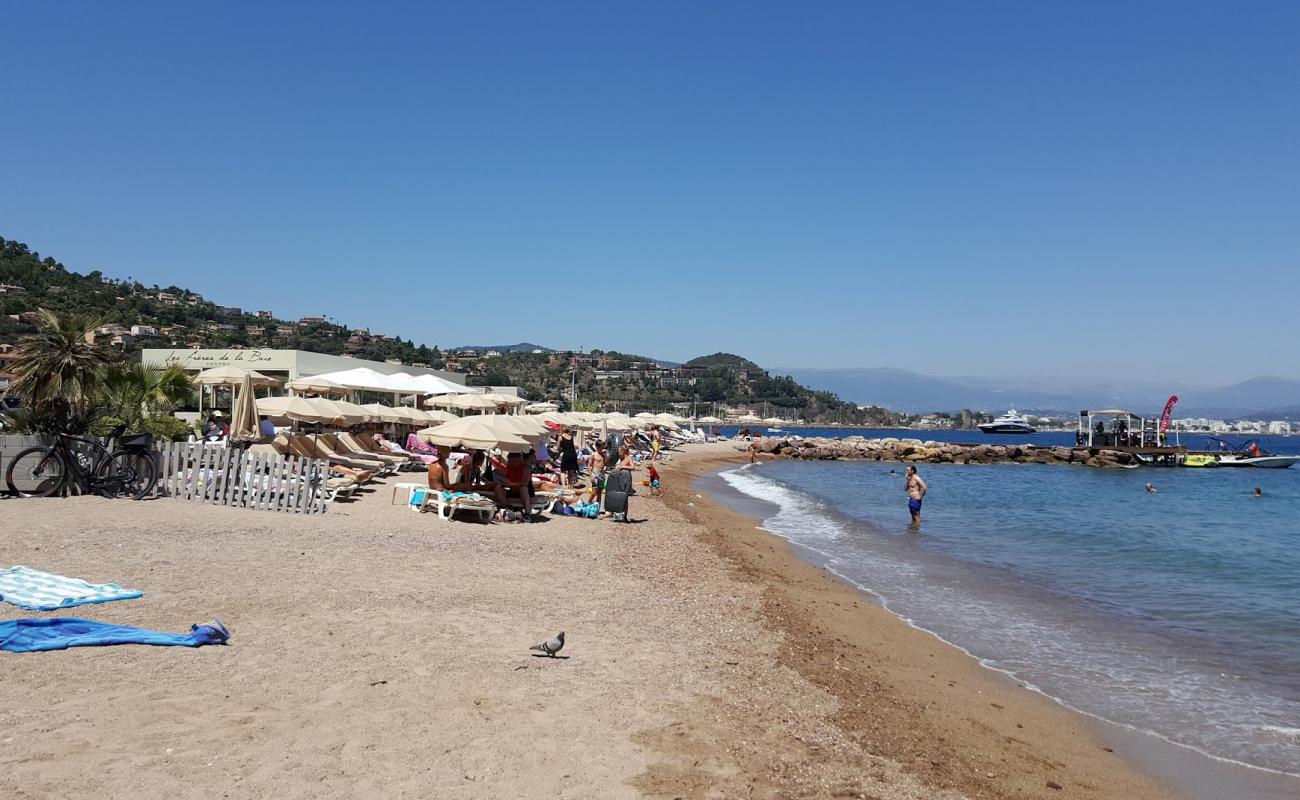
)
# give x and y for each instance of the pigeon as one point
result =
(551, 646)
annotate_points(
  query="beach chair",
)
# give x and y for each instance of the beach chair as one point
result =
(365, 445)
(445, 504)
(315, 447)
(298, 446)
(425, 452)
(345, 444)
(332, 488)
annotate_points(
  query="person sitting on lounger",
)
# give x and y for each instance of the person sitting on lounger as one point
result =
(519, 482)
(440, 480)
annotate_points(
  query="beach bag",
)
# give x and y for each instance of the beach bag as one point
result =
(591, 510)
(618, 487)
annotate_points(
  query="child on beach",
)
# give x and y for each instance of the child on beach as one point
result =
(656, 488)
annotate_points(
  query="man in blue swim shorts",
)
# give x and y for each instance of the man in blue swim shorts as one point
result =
(916, 489)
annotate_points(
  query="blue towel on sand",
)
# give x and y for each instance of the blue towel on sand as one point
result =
(44, 591)
(31, 635)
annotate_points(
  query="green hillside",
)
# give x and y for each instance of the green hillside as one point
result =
(603, 379)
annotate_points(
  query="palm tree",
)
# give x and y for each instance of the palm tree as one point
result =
(131, 392)
(57, 369)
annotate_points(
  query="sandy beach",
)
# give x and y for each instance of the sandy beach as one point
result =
(380, 653)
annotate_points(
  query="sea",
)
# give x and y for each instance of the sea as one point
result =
(1174, 613)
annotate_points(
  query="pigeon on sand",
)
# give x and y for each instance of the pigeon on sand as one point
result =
(551, 646)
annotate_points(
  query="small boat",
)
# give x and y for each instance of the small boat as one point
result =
(1247, 454)
(1264, 461)
(1010, 422)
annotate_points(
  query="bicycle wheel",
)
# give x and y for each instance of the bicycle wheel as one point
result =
(36, 472)
(127, 473)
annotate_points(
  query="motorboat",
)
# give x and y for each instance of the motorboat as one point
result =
(1010, 422)
(1264, 461)
(1248, 454)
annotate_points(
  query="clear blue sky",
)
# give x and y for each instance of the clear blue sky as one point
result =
(956, 188)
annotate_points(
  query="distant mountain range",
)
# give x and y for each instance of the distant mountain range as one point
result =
(903, 390)
(522, 347)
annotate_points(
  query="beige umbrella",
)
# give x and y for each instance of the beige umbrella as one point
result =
(338, 412)
(437, 416)
(232, 376)
(526, 427)
(411, 416)
(505, 399)
(244, 424)
(228, 375)
(645, 415)
(540, 408)
(299, 409)
(749, 419)
(709, 421)
(317, 386)
(383, 413)
(773, 422)
(463, 401)
(473, 434)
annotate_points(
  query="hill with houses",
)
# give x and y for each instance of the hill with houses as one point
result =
(135, 316)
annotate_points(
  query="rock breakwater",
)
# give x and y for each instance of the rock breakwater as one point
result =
(859, 448)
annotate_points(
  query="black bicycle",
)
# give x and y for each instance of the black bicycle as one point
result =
(86, 466)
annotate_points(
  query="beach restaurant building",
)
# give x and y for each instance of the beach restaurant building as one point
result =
(286, 365)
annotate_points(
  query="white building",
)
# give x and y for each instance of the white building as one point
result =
(144, 331)
(282, 364)
(1279, 427)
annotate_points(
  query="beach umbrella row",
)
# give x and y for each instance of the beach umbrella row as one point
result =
(322, 410)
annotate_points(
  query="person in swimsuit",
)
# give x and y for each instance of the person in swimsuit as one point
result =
(596, 470)
(568, 459)
(916, 489)
(439, 479)
(519, 481)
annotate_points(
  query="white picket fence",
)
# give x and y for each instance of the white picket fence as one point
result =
(229, 476)
(198, 472)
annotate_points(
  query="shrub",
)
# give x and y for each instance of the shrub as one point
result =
(166, 428)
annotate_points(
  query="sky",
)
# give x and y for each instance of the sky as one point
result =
(1102, 189)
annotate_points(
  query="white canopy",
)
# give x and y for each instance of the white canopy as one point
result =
(370, 380)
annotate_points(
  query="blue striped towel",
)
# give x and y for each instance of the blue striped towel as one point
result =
(43, 591)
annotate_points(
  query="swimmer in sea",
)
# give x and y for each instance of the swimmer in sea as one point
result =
(1152, 489)
(916, 489)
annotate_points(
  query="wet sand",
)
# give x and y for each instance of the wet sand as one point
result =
(1182, 771)
(379, 652)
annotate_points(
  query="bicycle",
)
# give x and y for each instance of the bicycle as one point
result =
(129, 471)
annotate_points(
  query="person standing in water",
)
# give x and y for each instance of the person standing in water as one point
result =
(916, 489)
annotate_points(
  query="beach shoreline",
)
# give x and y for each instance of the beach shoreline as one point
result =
(380, 652)
(1171, 769)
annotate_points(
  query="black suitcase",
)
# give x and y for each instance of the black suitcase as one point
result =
(617, 489)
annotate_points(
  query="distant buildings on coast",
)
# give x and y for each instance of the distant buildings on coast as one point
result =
(969, 419)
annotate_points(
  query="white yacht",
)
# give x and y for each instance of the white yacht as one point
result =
(1010, 422)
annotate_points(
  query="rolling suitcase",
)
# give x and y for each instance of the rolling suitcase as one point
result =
(617, 489)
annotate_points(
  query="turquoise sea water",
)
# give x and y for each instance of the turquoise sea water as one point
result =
(1176, 613)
